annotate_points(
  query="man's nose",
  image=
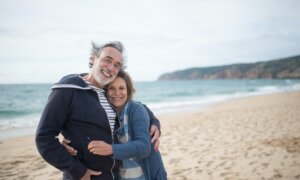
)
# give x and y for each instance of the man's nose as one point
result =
(111, 66)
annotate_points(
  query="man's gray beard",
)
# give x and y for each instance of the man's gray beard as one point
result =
(101, 81)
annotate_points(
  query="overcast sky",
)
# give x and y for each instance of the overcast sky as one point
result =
(42, 40)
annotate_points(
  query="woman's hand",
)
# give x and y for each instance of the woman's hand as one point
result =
(70, 149)
(154, 133)
(89, 173)
(100, 148)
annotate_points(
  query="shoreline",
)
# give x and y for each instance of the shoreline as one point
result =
(187, 106)
(12, 133)
(246, 138)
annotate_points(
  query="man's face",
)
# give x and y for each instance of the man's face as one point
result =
(106, 67)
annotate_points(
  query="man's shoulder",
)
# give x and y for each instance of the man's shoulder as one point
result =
(71, 81)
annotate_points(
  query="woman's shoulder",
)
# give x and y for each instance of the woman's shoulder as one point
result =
(137, 111)
(135, 105)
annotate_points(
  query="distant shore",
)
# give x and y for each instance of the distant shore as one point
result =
(247, 138)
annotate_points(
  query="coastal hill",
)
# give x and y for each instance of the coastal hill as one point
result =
(284, 68)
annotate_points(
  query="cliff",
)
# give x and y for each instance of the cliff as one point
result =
(275, 69)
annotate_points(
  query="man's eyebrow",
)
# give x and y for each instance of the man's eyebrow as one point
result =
(109, 57)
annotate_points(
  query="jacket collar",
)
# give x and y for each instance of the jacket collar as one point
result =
(73, 81)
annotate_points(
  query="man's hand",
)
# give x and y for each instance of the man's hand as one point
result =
(100, 148)
(89, 173)
(70, 150)
(154, 133)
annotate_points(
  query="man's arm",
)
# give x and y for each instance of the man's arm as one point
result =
(51, 122)
(153, 119)
(154, 128)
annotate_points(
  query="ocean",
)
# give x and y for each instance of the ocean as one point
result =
(21, 104)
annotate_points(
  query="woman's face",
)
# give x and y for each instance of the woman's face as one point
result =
(117, 93)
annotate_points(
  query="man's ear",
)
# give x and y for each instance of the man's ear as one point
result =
(92, 60)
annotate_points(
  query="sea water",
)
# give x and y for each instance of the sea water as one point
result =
(21, 105)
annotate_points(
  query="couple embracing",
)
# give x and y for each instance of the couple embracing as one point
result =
(107, 134)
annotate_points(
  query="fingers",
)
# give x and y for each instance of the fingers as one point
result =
(89, 173)
(65, 141)
(156, 145)
(97, 151)
(95, 173)
(154, 132)
(94, 151)
(152, 129)
(70, 149)
(100, 148)
(92, 144)
(95, 144)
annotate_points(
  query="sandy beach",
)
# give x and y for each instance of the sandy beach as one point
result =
(248, 138)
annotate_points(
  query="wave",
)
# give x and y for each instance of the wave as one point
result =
(189, 95)
(202, 102)
(28, 120)
(13, 113)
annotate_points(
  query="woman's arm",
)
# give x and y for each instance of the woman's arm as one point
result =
(139, 146)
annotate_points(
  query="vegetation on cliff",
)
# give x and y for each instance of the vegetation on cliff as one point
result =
(285, 68)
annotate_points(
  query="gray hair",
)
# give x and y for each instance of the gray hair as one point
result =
(97, 48)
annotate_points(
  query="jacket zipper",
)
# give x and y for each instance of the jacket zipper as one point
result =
(113, 141)
(112, 136)
(113, 133)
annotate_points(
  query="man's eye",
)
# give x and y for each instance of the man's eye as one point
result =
(117, 66)
(107, 60)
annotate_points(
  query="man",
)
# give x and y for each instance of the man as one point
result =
(77, 107)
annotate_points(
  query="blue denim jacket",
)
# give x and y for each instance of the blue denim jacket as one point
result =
(137, 150)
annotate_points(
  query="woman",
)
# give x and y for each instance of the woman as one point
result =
(138, 157)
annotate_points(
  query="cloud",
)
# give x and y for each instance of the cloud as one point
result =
(160, 36)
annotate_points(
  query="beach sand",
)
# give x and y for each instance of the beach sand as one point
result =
(249, 138)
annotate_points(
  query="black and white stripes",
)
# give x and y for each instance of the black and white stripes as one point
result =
(111, 114)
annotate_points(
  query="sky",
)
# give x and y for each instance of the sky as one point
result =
(43, 40)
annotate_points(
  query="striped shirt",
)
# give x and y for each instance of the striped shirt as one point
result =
(111, 114)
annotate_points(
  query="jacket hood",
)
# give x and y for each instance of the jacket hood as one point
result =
(73, 81)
